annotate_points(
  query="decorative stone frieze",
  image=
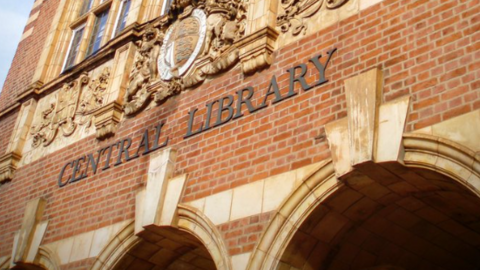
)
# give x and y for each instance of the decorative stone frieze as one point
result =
(199, 40)
(93, 98)
(74, 106)
(295, 13)
(144, 71)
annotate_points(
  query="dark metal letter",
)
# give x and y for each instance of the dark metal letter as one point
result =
(60, 183)
(278, 97)
(222, 107)
(246, 101)
(158, 131)
(109, 155)
(209, 114)
(321, 68)
(76, 169)
(123, 150)
(190, 124)
(300, 79)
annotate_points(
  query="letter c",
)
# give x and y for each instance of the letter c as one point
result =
(60, 183)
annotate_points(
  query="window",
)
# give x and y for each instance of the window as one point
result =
(93, 26)
(74, 47)
(97, 33)
(85, 7)
(122, 17)
(166, 6)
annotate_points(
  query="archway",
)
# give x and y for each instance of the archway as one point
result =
(423, 215)
(193, 244)
(45, 259)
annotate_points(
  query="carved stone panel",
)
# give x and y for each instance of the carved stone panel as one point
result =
(294, 13)
(182, 44)
(198, 40)
(73, 106)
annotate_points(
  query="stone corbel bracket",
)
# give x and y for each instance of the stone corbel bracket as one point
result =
(107, 119)
(9, 161)
(372, 132)
(157, 203)
(8, 166)
(28, 239)
(256, 49)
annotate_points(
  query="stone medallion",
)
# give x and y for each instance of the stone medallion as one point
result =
(182, 44)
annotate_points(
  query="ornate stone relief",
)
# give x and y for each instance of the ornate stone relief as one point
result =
(201, 41)
(294, 13)
(144, 71)
(74, 106)
(93, 98)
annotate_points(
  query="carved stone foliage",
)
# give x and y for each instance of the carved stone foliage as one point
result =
(197, 41)
(226, 23)
(74, 106)
(294, 12)
(144, 71)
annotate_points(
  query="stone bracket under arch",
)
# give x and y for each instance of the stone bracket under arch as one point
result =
(372, 132)
(156, 204)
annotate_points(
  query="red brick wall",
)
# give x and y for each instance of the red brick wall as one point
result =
(28, 53)
(242, 235)
(427, 49)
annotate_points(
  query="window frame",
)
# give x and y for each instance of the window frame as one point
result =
(74, 31)
(115, 33)
(87, 22)
(94, 32)
(82, 12)
(165, 9)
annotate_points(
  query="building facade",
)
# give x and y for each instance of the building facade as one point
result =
(243, 134)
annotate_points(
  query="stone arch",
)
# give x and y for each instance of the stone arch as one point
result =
(295, 209)
(190, 221)
(48, 259)
(444, 156)
(45, 259)
(424, 152)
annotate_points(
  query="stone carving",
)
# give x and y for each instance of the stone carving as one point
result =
(39, 131)
(144, 71)
(58, 116)
(93, 98)
(198, 39)
(331, 4)
(75, 104)
(296, 11)
(182, 44)
(226, 24)
(175, 86)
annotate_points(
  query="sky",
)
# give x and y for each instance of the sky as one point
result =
(13, 16)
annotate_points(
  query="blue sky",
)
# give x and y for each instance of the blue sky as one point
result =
(13, 16)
